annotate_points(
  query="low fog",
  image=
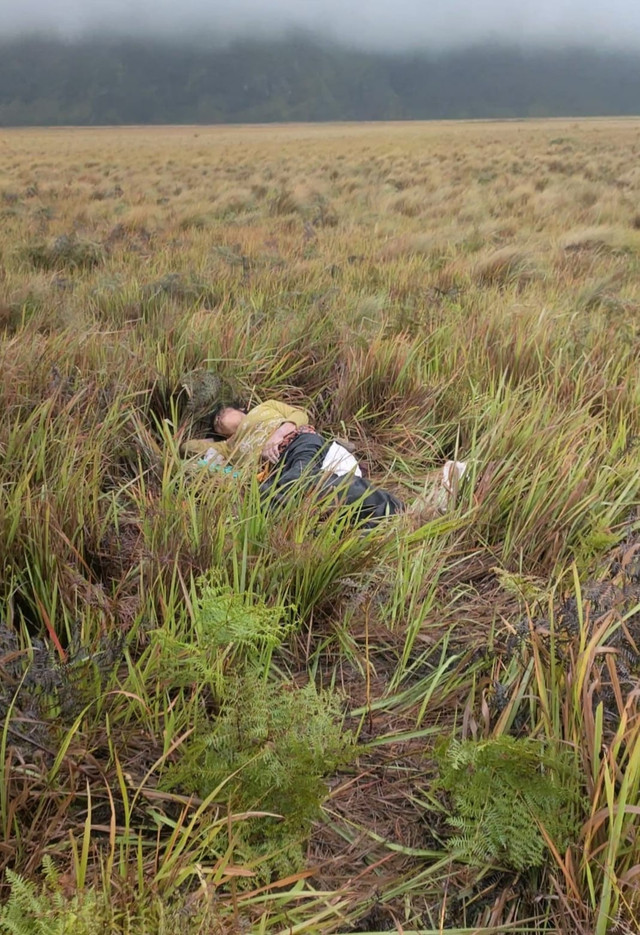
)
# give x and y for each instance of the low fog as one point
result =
(375, 24)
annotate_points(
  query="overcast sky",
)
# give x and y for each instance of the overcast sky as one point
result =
(372, 23)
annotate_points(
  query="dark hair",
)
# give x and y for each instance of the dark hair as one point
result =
(217, 409)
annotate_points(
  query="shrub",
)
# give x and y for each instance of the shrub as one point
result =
(65, 252)
(594, 240)
(46, 911)
(275, 744)
(227, 624)
(283, 202)
(503, 792)
(232, 202)
(197, 221)
(504, 267)
(10, 317)
(179, 288)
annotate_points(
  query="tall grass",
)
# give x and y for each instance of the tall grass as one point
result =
(426, 292)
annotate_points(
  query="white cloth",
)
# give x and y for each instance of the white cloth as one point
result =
(213, 458)
(340, 461)
(452, 474)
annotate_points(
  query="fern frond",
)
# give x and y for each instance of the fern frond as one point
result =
(501, 791)
(283, 740)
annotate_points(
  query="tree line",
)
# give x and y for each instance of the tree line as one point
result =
(109, 80)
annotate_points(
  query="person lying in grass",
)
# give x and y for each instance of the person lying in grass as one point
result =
(277, 441)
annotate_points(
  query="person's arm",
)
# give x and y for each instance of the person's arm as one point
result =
(299, 417)
(292, 419)
(201, 446)
(271, 448)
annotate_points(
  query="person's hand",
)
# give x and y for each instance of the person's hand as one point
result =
(271, 450)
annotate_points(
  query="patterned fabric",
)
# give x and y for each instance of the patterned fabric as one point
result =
(294, 434)
(244, 448)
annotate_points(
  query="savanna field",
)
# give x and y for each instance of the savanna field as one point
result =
(218, 720)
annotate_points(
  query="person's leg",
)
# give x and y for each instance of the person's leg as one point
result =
(372, 503)
(301, 467)
(440, 490)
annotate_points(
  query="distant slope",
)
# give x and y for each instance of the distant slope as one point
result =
(116, 81)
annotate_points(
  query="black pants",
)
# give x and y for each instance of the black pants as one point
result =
(300, 467)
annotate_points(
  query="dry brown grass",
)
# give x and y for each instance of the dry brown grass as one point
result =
(464, 187)
(427, 290)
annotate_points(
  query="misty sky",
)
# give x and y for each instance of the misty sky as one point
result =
(380, 24)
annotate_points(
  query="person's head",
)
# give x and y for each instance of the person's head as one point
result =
(225, 420)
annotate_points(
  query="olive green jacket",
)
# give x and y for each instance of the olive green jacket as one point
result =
(245, 446)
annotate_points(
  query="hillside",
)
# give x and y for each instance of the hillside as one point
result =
(135, 81)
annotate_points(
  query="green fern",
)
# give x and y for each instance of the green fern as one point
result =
(225, 616)
(503, 791)
(227, 625)
(24, 911)
(44, 910)
(283, 741)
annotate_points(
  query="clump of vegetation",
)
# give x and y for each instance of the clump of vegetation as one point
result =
(235, 201)
(226, 617)
(508, 266)
(509, 796)
(188, 289)
(228, 625)
(283, 202)
(31, 910)
(600, 239)
(10, 317)
(65, 252)
(50, 909)
(196, 222)
(268, 750)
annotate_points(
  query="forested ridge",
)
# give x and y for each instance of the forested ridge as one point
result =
(109, 80)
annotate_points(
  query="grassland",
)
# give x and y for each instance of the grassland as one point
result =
(428, 290)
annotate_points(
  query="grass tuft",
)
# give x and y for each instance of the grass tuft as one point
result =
(66, 252)
(508, 266)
